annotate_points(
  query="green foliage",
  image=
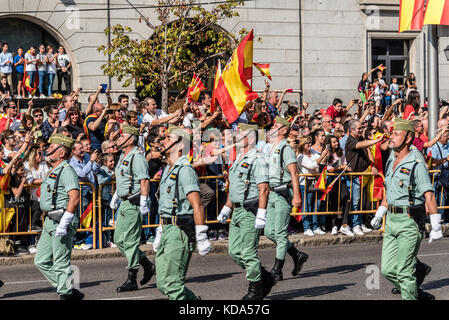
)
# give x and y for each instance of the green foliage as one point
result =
(184, 41)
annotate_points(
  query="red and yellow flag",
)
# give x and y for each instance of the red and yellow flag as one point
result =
(217, 78)
(264, 69)
(429, 160)
(86, 217)
(381, 67)
(437, 12)
(233, 89)
(194, 89)
(411, 14)
(321, 183)
(30, 87)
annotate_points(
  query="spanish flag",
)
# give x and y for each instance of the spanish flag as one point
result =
(429, 160)
(264, 69)
(411, 14)
(86, 128)
(321, 183)
(86, 217)
(194, 89)
(437, 12)
(233, 90)
(217, 78)
(30, 87)
(381, 67)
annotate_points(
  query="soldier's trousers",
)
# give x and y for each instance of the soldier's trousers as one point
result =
(243, 243)
(53, 256)
(127, 233)
(400, 247)
(172, 261)
(278, 218)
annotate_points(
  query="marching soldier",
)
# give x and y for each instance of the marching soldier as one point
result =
(182, 219)
(59, 201)
(409, 194)
(283, 175)
(248, 198)
(132, 181)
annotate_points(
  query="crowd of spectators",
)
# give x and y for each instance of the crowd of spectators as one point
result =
(336, 138)
(40, 65)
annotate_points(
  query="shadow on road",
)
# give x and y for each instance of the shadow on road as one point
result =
(211, 277)
(436, 284)
(337, 269)
(49, 289)
(309, 292)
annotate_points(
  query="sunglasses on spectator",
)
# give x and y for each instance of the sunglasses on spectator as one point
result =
(38, 115)
(10, 137)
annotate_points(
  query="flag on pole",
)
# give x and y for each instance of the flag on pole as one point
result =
(321, 183)
(264, 69)
(411, 14)
(233, 89)
(30, 87)
(381, 67)
(194, 89)
(429, 160)
(437, 12)
(86, 217)
(217, 78)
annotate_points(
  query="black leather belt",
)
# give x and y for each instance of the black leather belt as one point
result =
(167, 220)
(237, 205)
(123, 198)
(398, 210)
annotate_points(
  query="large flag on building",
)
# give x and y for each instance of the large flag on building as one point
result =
(411, 14)
(233, 90)
(437, 12)
(217, 78)
(195, 88)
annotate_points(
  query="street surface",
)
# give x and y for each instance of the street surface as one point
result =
(331, 273)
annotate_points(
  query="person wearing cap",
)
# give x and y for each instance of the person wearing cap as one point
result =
(409, 195)
(59, 201)
(280, 205)
(182, 220)
(248, 180)
(132, 187)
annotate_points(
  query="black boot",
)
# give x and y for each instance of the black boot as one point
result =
(268, 281)
(254, 291)
(131, 283)
(75, 295)
(422, 295)
(422, 270)
(299, 258)
(277, 268)
(1, 283)
(149, 270)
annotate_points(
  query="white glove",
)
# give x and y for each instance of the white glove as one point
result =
(157, 240)
(435, 233)
(377, 220)
(202, 241)
(114, 201)
(224, 214)
(261, 218)
(61, 229)
(144, 205)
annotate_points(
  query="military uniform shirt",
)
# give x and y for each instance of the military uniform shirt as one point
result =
(123, 172)
(274, 164)
(239, 171)
(397, 181)
(187, 182)
(68, 181)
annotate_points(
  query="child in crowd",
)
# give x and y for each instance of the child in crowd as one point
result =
(106, 174)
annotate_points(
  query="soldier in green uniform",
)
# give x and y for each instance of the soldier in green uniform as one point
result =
(248, 198)
(284, 194)
(182, 218)
(409, 195)
(59, 201)
(132, 182)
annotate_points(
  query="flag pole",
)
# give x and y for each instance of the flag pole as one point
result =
(433, 79)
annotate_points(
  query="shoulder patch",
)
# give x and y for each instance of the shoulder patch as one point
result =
(245, 165)
(405, 171)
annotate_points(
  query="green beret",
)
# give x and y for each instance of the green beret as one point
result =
(282, 121)
(59, 138)
(130, 129)
(245, 127)
(180, 132)
(402, 124)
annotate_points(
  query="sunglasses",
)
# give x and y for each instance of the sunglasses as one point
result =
(38, 115)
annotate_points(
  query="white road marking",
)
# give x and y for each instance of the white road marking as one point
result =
(128, 298)
(433, 254)
(25, 282)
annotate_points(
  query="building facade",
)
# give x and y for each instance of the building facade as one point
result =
(318, 48)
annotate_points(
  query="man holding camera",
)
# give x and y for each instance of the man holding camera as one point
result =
(59, 201)
(133, 183)
(95, 124)
(409, 195)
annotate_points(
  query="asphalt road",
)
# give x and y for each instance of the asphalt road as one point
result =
(332, 273)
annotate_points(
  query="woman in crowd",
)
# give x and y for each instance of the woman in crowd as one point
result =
(410, 84)
(309, 161)
(339, 195)
(51, 69)
(412, 106)
(75, 123)
(318, 137)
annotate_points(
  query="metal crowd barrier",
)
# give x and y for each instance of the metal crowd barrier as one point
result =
(98, 206)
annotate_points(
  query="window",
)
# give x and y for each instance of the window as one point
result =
(394, 55)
